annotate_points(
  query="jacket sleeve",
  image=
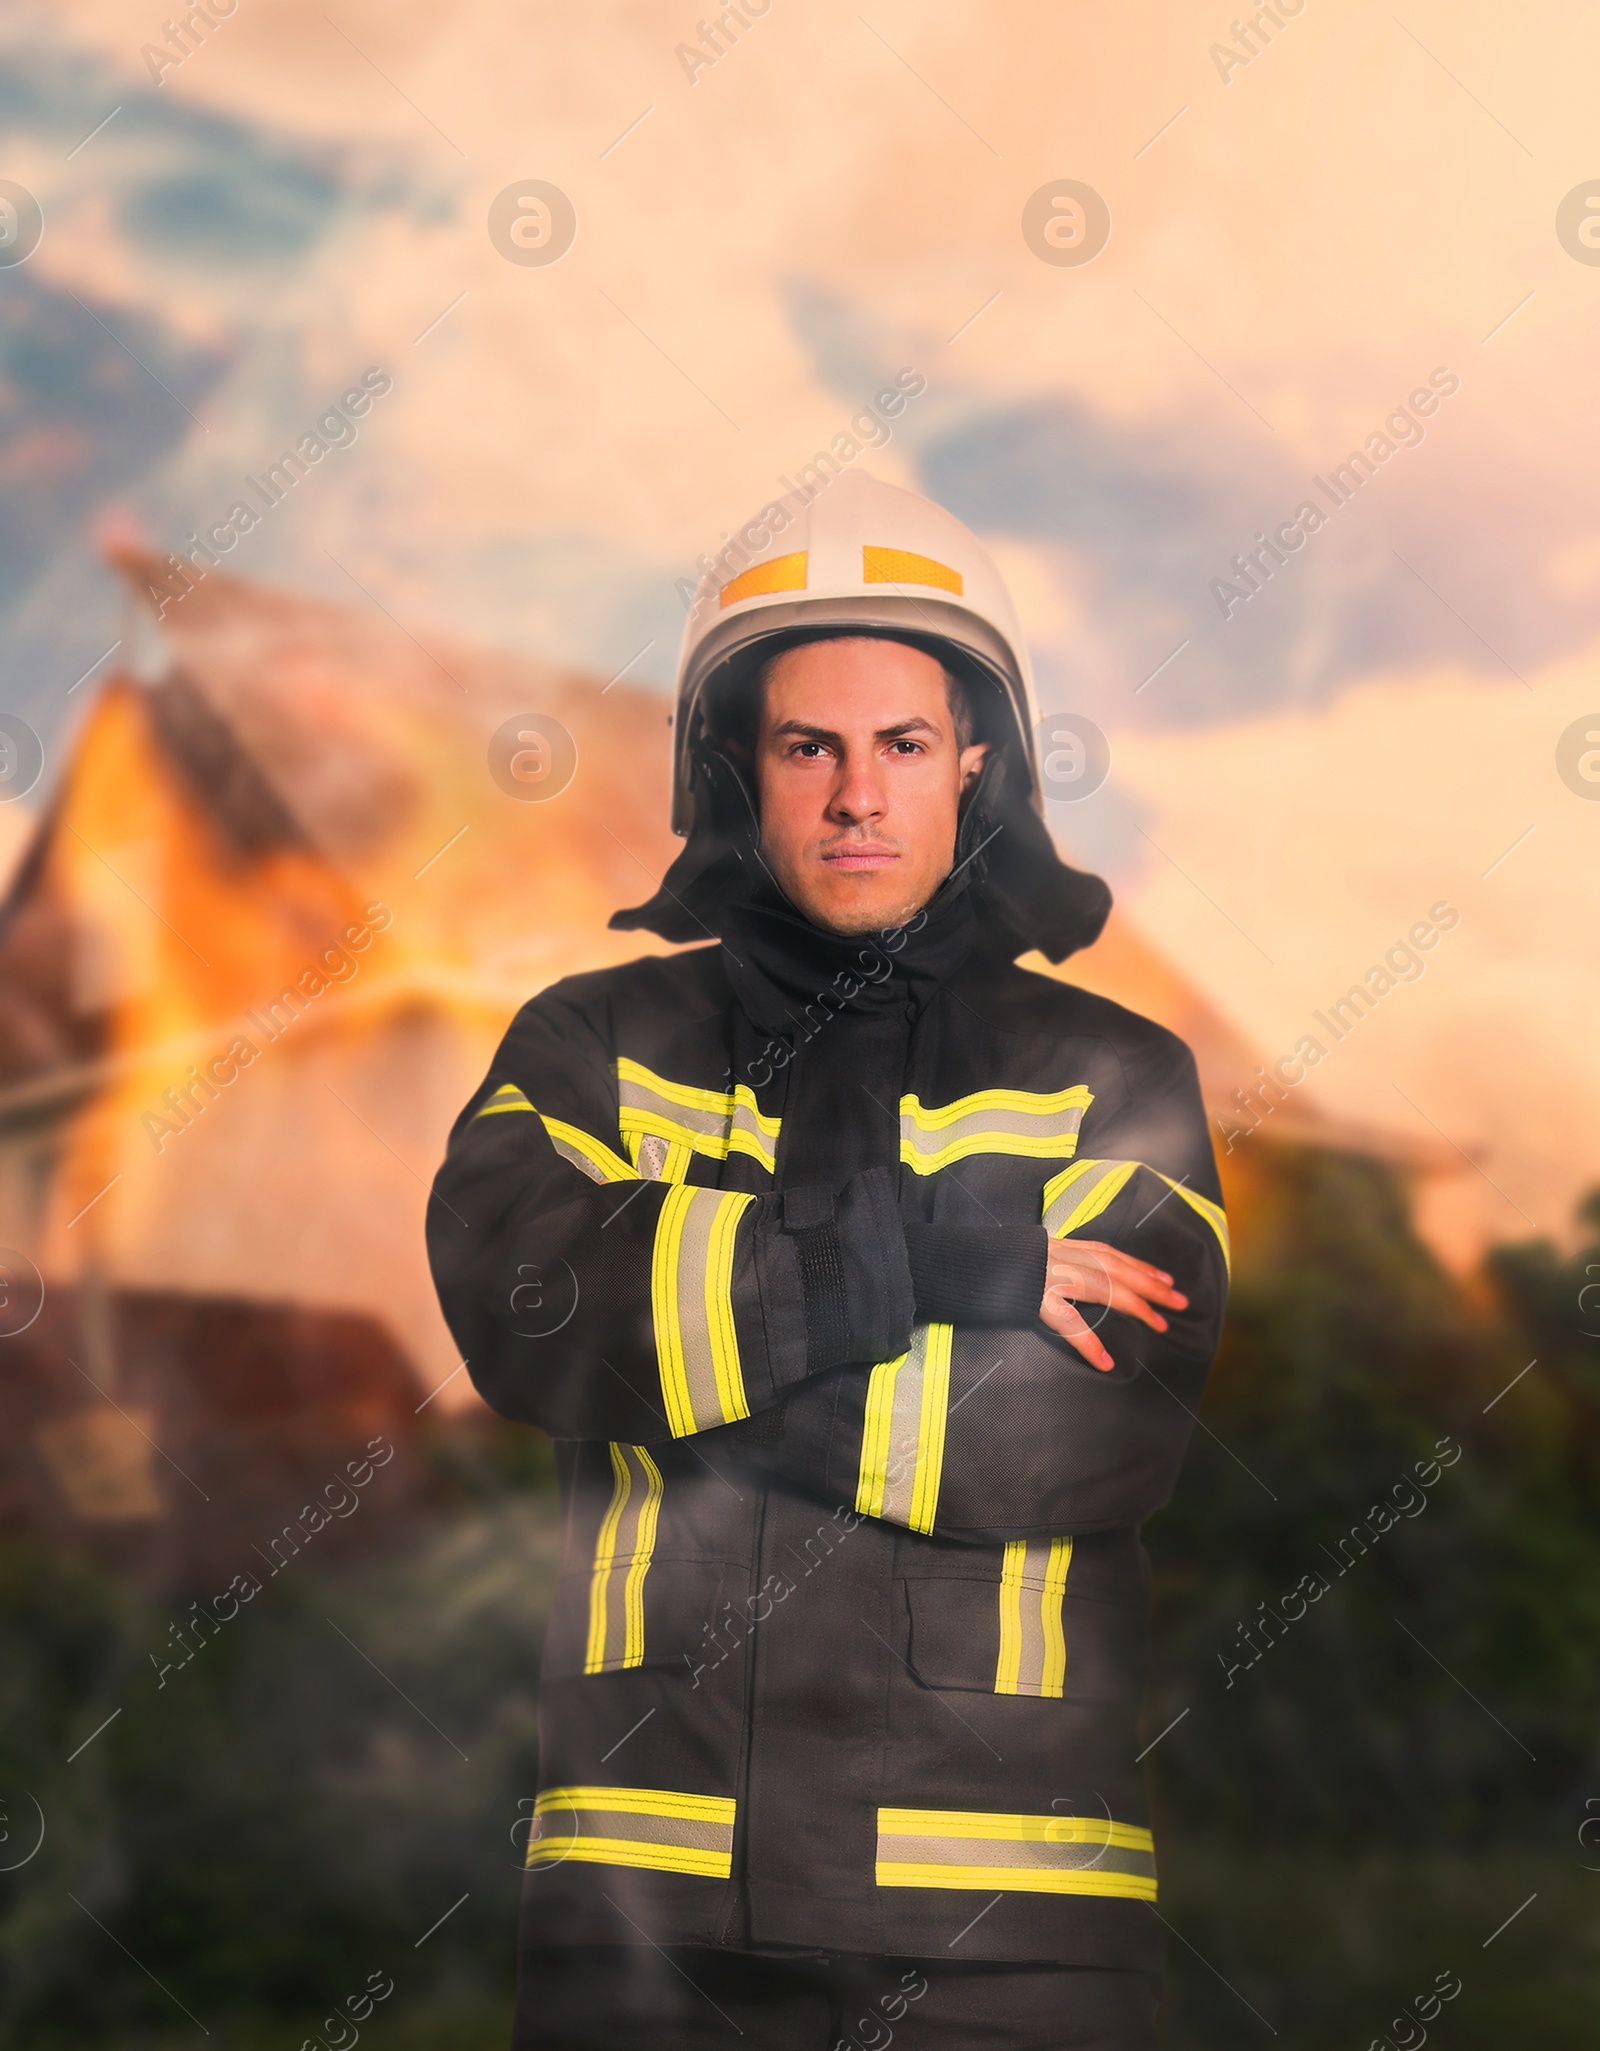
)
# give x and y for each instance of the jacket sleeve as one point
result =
(998, 1434)
(602, 1305)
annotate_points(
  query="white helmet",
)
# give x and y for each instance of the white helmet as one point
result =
(862, 556)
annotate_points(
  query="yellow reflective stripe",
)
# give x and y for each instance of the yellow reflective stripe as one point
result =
(658, 1159)
(1035, 1125)
(994, 1826)
(691, 1296)
(693, 1098)
(604, 1555)
(778, 573)
(664, 1312)
(507, 1098)
(622, 1801)
(903, 1432)
(719, 1305)
(581, 1148)
(1031, 1103)
(627, 1851)
(933, 1412)
(713, 1122)
(904, 566)
(1033, 1643)
(1099, 1182)
(1053, 1669)
(664, 1265)
(1008, 1879)
(655, 1828)
(645, 1545)
(625, 1545)
(584, 1151)
(1213, 1214)
(874, 1474)
(1010, 1661)
(1028, 1102)
(1080, 1193)
(1007, 1853)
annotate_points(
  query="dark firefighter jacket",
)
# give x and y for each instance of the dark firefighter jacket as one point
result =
(847, 1651)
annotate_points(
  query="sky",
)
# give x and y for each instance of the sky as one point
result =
(1367, 208)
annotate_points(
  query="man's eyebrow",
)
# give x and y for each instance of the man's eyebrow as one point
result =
(803, 729)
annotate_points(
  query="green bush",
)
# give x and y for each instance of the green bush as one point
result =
(1348, 1794)
(278, 1820)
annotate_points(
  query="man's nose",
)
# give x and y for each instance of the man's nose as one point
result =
(858, 793)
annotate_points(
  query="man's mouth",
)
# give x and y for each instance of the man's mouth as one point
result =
(859, 855)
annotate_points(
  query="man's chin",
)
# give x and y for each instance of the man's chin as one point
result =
(854, 916)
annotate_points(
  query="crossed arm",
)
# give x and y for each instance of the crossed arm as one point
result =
(1094, 1271)
(602, 1306)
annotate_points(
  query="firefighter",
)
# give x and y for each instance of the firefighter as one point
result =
(866, 1283)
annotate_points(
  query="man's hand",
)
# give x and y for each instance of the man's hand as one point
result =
(1089, 1271)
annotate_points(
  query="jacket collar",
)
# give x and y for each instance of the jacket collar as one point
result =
(788, 974)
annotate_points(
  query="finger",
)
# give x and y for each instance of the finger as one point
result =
(1104, 1250)
(1092, 1277)
(1097, 1285)
(1140, 1275)
(1144, 1286)
(1129, 1302)
(1060, 1316)
(1091, 1255)
(1135, 1306)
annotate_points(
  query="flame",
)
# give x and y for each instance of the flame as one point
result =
(177, 938)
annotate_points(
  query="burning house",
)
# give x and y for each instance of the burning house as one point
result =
(257, 952)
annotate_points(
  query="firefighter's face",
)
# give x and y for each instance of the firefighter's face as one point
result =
(859, 775)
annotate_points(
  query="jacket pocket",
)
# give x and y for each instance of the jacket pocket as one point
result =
(635, 1610)
(1023, 1631)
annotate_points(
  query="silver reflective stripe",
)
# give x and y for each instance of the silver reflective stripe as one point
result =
(555, 1828)
(507, 1098)
(653, 1151)
(905, 1430)
(1099, 1856)
(654, 1827)
(635, 1097)
(700, 1121)
(760, 1140)
(1033, 1645)
(578, 1158)
(1026, 1853)
(1078, 1195)
(691, 1289)
(902, 1439)
(1082, 1192)
(622, 1557)
(1037, 1126)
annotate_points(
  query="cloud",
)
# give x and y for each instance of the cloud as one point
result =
(1442, 547)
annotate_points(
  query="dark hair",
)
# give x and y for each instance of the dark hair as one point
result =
(740, 696)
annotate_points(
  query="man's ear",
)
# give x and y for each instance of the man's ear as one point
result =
(972, 761)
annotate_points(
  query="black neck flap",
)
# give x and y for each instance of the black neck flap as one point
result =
(1022, 893)
(790, 975)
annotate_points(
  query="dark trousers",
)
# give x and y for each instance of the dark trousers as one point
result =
(624, 1998)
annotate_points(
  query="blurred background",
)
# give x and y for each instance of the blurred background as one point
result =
(374, 381)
